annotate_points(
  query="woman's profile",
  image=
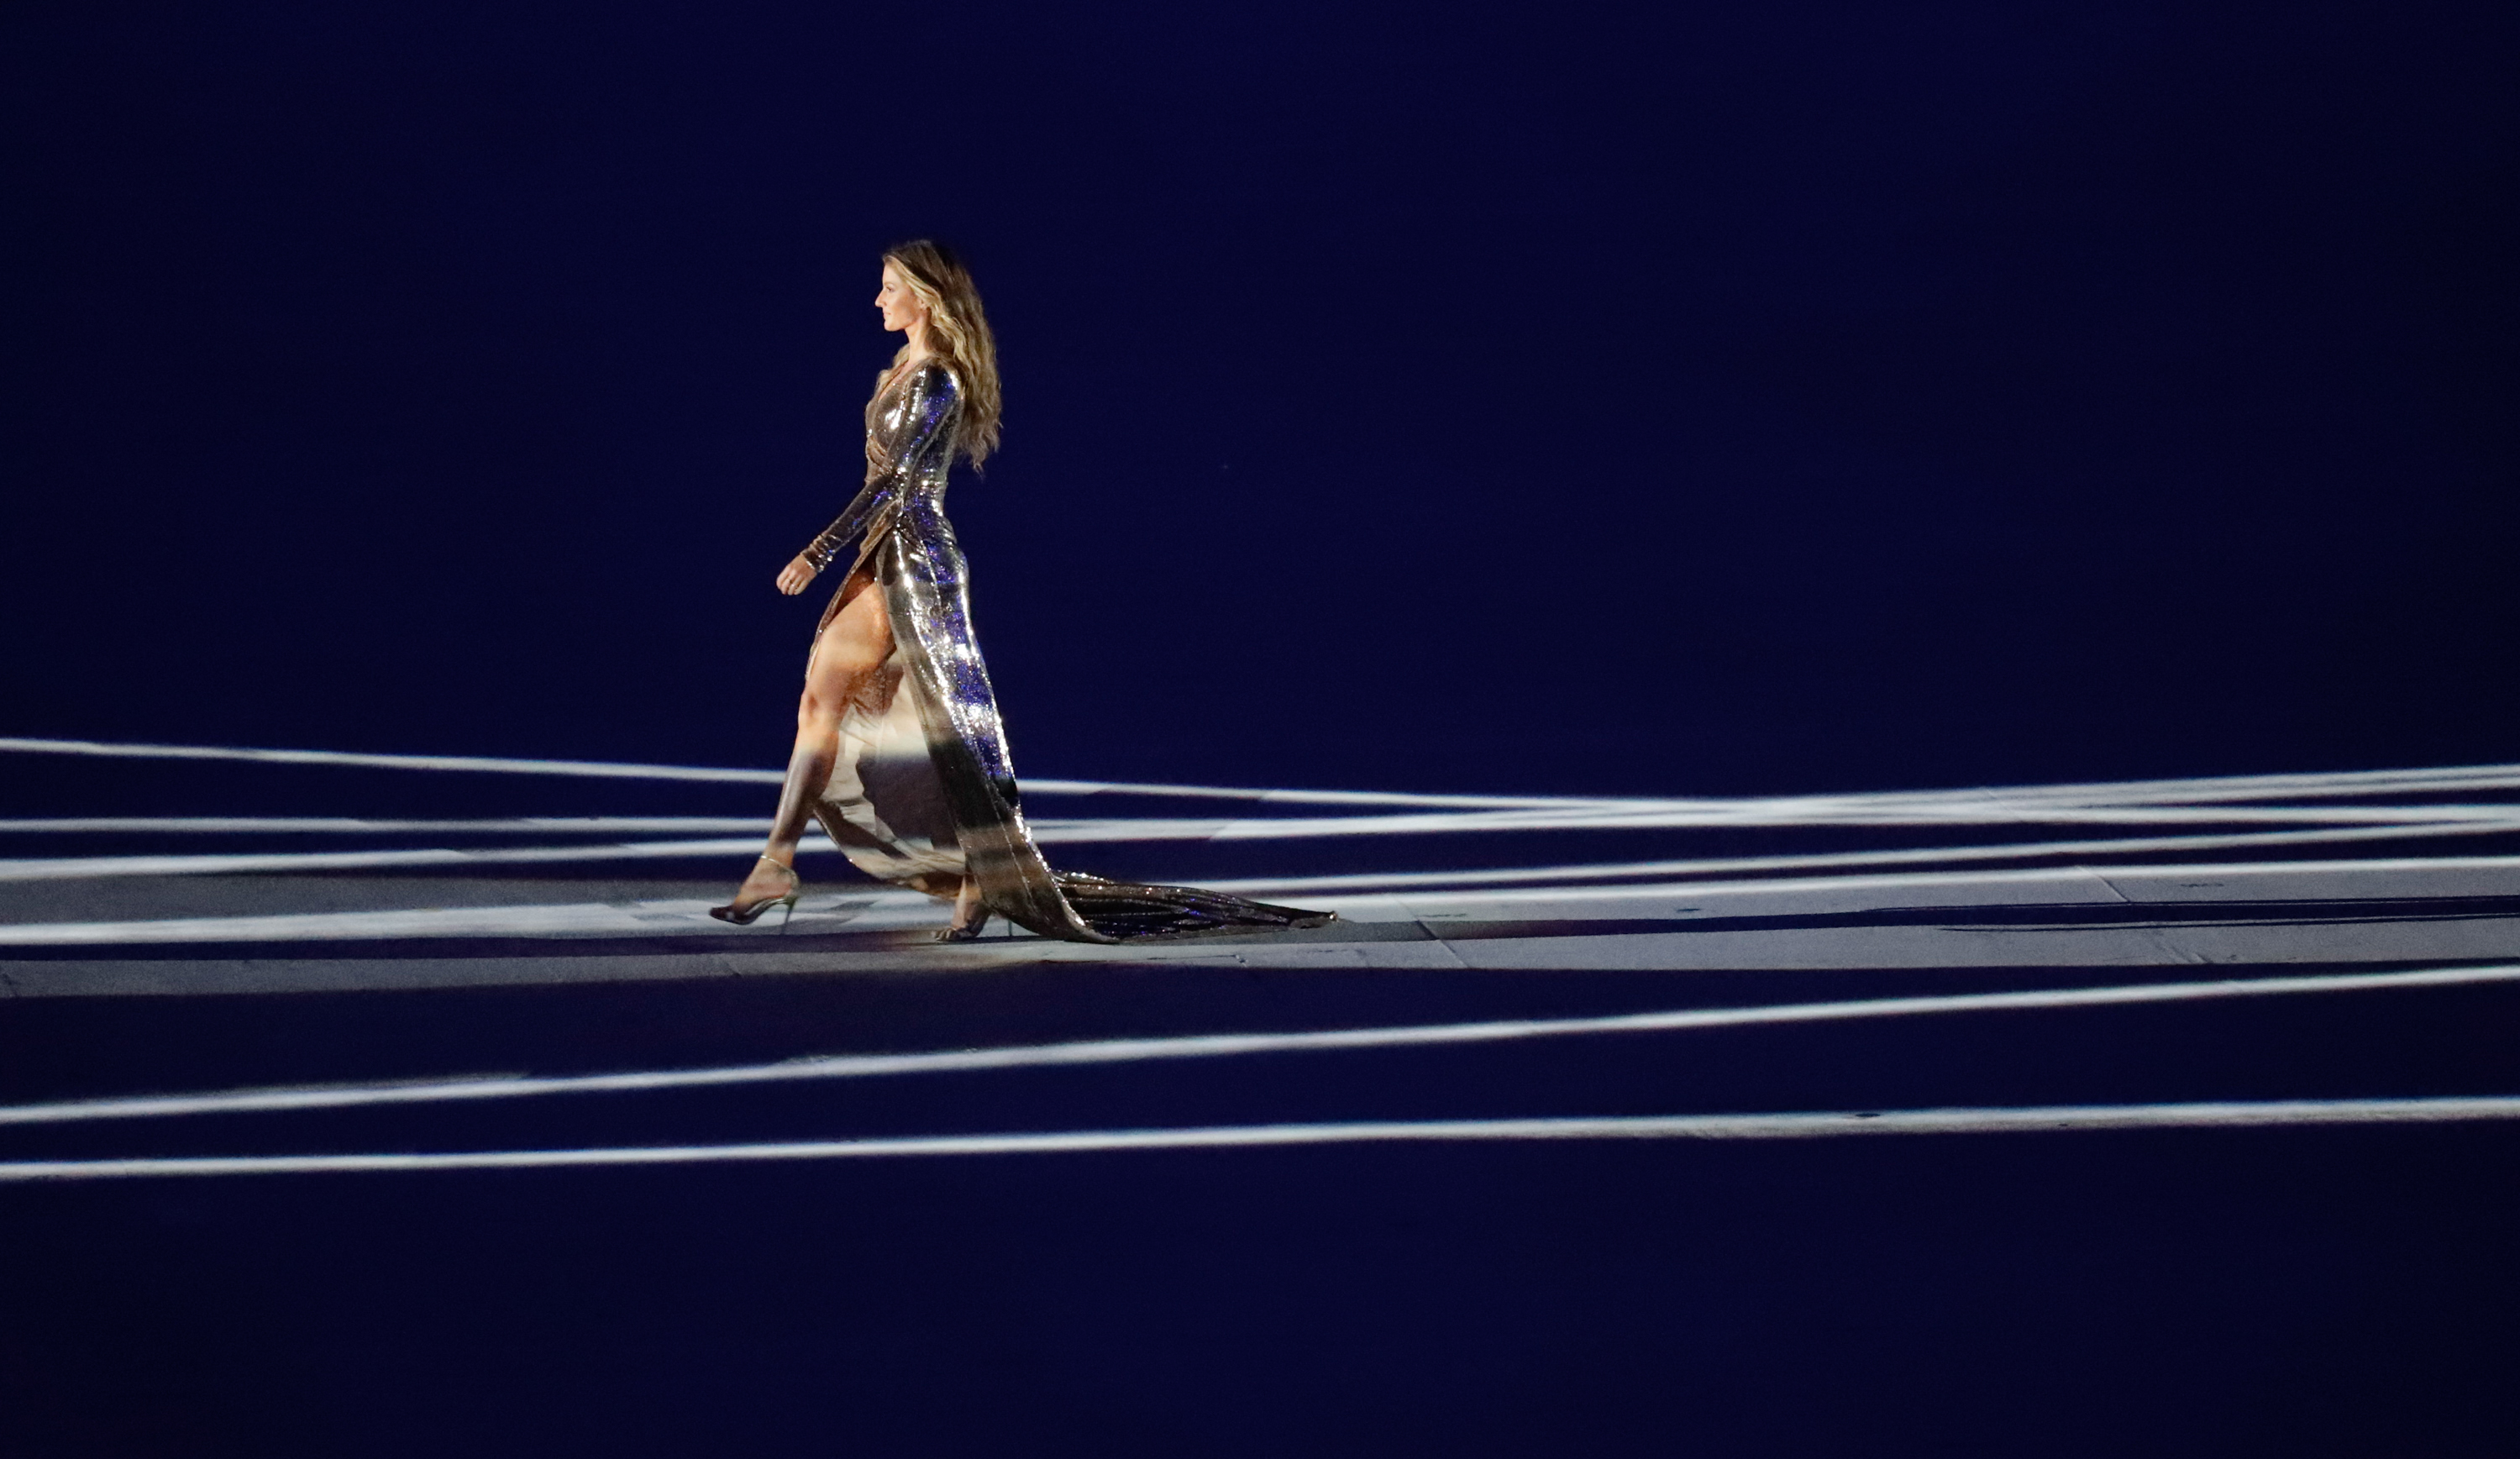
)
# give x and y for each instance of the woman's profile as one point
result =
(899, 752)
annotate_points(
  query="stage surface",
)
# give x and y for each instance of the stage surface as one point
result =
(335, 1078)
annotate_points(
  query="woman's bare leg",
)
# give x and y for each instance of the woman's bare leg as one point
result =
(848, 653)
(967, 903)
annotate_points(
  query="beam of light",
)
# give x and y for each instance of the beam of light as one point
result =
(1154, 829)
(1998, 1120)
(1634, 879)
(1593, 818)
(294, 825)
(515, 766)
(2458, 819)
(1109, 1052)
(56, 868)
(2274, 786)
(1493, 899)
(1815, 860)
(2130, 792)
(47, 868)
(1557, 897)
(476, 763)
(868, 909)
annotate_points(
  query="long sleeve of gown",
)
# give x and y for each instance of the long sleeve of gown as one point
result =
(927, 406)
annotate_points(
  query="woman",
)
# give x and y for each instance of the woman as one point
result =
(899, 753)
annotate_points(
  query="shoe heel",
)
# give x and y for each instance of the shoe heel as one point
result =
(745, 913)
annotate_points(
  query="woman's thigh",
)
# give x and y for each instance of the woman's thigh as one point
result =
(852, 645)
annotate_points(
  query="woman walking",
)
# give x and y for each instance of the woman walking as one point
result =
(899, 753)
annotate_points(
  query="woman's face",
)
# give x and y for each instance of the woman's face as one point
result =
(901, 308)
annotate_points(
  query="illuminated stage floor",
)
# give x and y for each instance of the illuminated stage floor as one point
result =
(2199, 1099)
(1908, 906)
(337, 932)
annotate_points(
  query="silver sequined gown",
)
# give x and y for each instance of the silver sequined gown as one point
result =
(923, 793)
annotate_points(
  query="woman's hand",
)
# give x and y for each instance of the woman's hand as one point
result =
(795, 575)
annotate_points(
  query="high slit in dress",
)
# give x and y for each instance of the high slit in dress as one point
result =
(921, 794)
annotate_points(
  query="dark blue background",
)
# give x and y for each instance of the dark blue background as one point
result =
(1627, 397)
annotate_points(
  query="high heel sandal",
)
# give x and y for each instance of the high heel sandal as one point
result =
(744, 913)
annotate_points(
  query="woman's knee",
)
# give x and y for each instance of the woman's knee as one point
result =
(837, 680)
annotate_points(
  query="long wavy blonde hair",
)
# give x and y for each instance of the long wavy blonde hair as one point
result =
(958, 332)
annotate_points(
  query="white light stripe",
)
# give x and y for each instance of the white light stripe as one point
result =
(1648, 892)
(2258, 787)
(2478, 818)
(1117, 831)
(867, 910)
(1150, 829)
(47, 868)
(2000, 1119)
(1223, 1045)
(2133, 792)
(233, 825)
(1918, 856)
(502, 766)
(477, 763)
(1320, 797)
(59, 868)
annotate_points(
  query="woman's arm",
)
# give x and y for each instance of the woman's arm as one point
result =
(926, 407)
(817, 555)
